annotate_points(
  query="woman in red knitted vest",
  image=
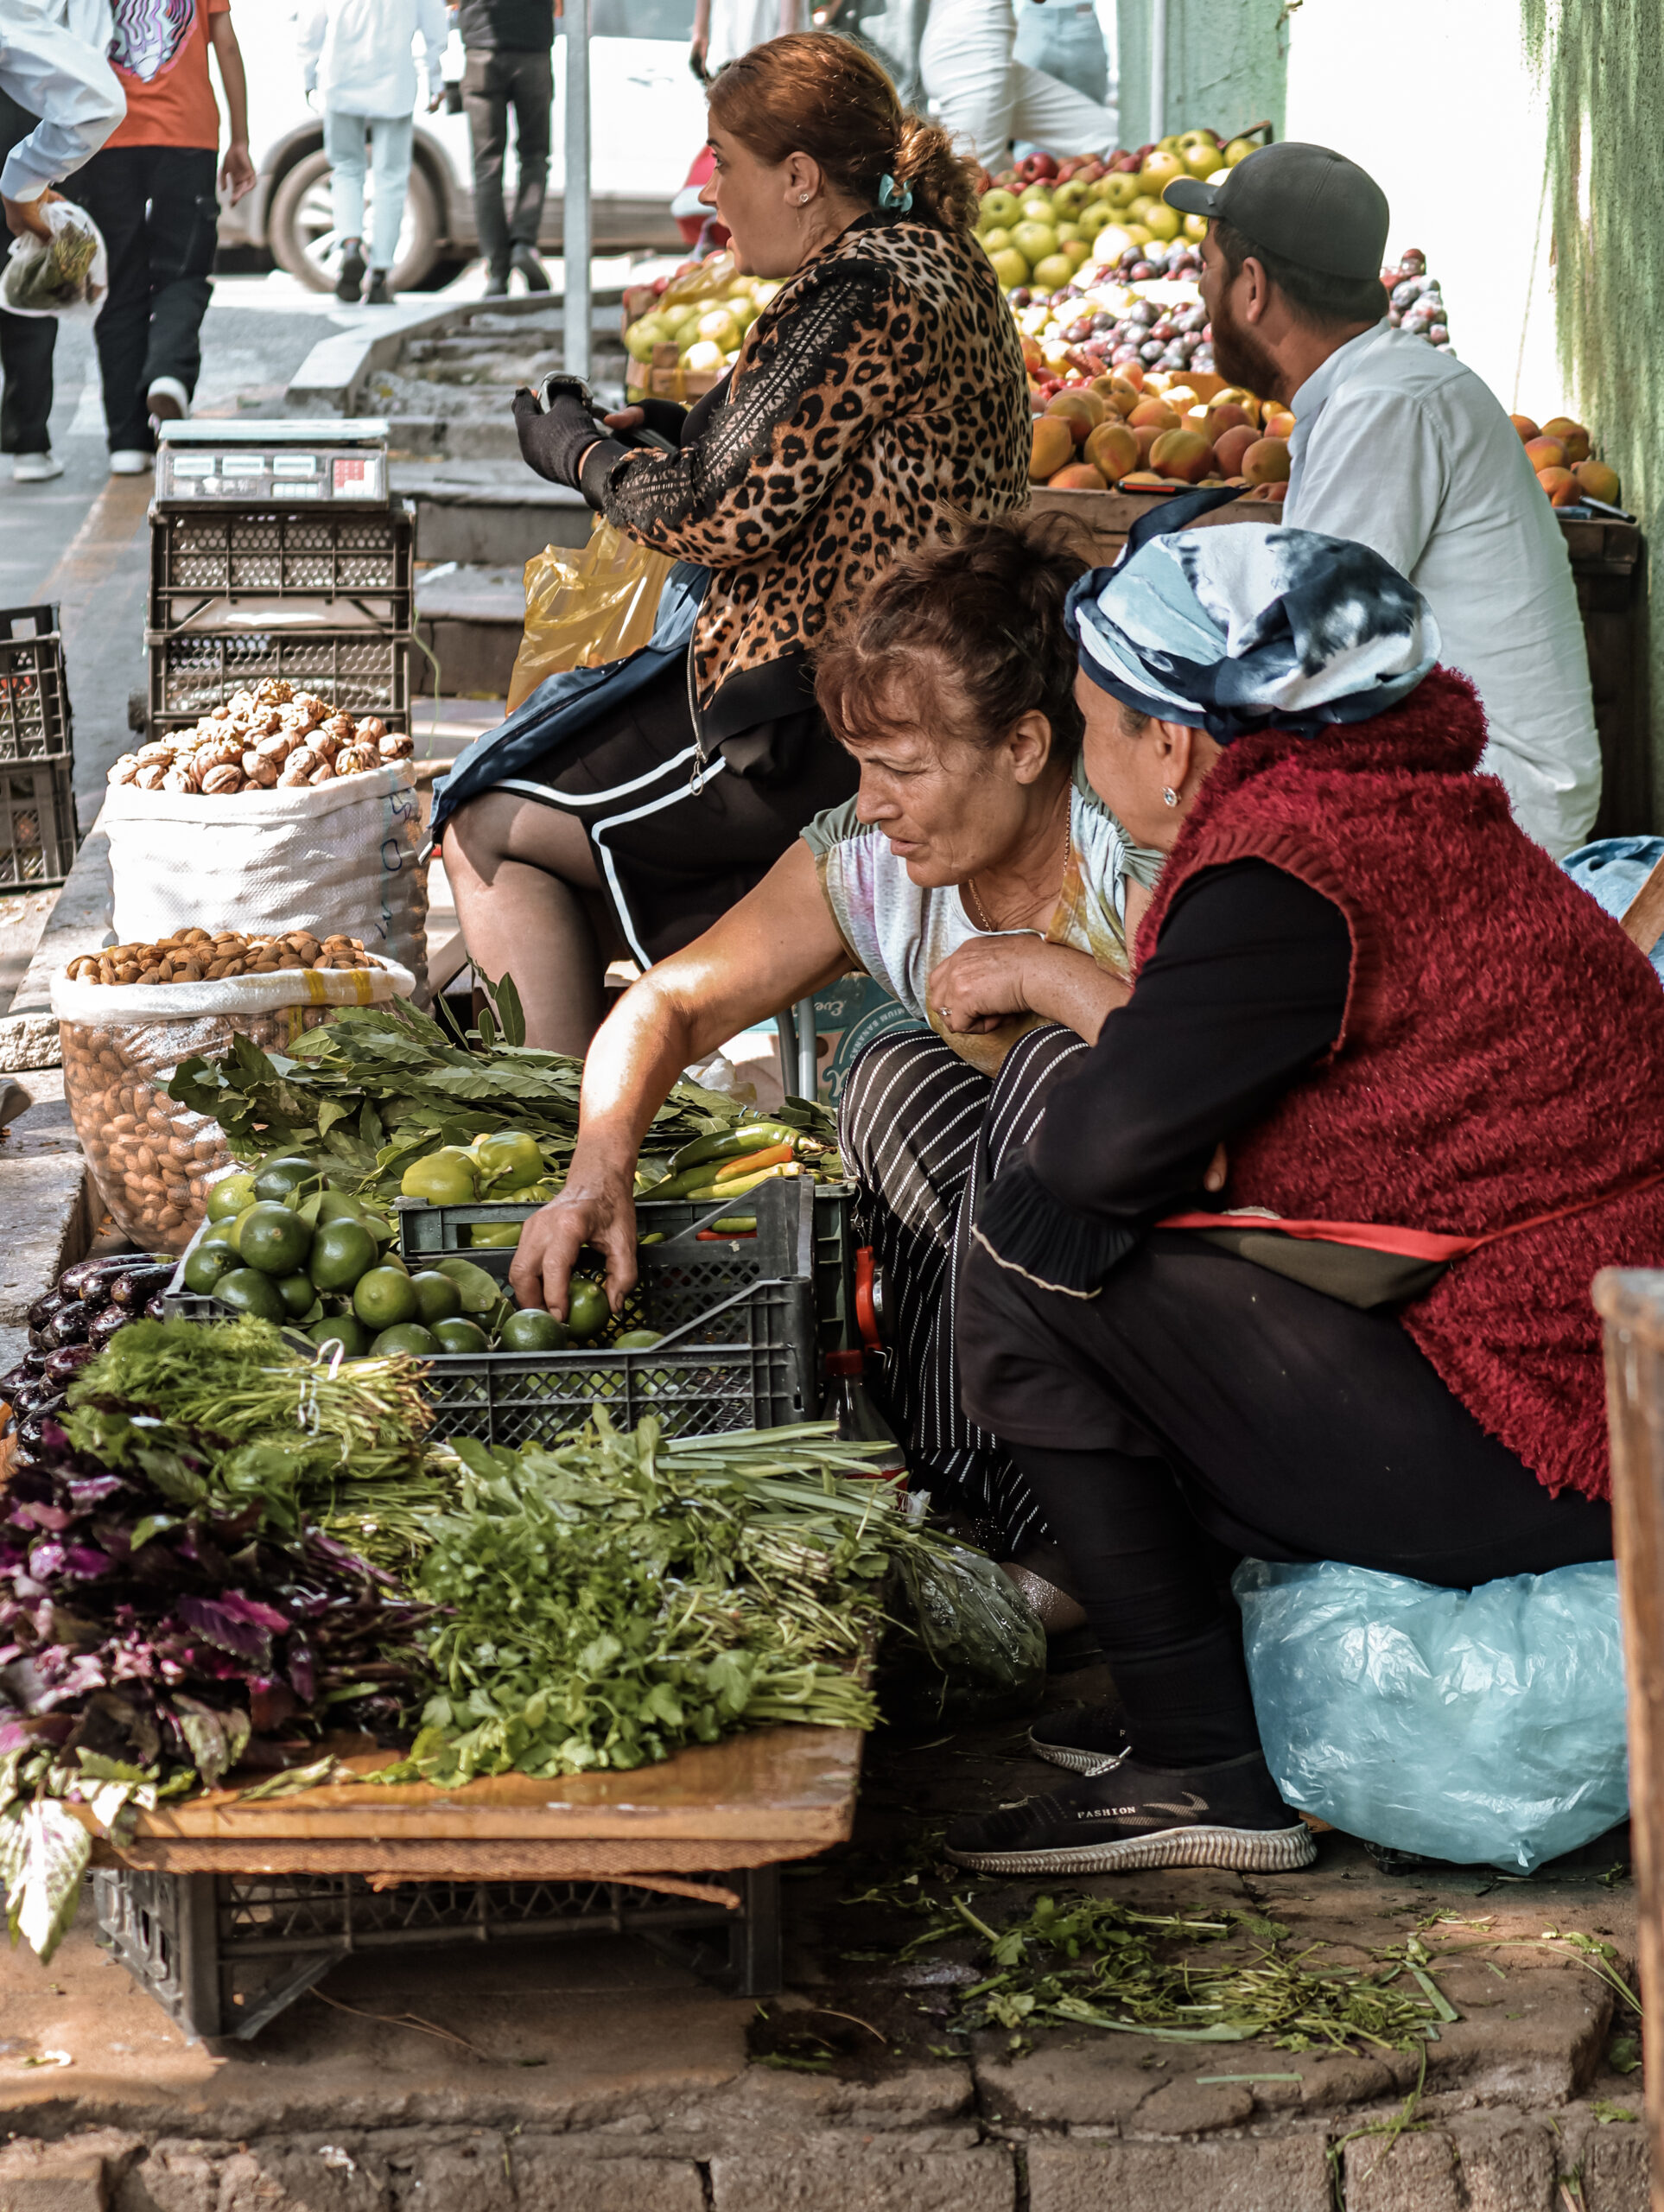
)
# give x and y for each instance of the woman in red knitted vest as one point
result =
(1424, 1072)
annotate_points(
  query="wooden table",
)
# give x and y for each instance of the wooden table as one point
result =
(227, 1910)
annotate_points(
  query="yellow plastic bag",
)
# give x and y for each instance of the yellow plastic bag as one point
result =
(587, 606)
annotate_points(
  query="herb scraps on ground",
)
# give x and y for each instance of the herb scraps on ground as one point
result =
(607, 1599)
(381, 1086)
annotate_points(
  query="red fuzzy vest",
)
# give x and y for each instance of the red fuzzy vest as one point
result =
(1501, 1054)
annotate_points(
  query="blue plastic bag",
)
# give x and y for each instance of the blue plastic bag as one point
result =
(1481, 1725)
(1611, 871)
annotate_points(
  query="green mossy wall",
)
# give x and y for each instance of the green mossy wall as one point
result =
(1226, 66)
(1602, 63)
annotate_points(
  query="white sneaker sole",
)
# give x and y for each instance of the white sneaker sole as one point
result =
(1248, 1851)
(1077, 1761)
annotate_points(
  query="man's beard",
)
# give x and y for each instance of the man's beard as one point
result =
(1242, 357)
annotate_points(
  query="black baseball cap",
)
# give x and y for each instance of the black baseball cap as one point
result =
(1309, 205)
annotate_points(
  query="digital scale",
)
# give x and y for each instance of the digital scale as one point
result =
(337, 461)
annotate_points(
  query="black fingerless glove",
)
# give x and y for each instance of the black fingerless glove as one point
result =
(664, 416)
(554, 443)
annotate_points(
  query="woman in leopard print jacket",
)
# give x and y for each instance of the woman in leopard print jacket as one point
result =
(878, 397)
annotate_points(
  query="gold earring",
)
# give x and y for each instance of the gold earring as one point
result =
(1170, 796)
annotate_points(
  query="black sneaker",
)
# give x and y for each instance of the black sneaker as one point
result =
(532, 269)
(496, 283)
(350, 282)
(1086, 1739)
(376, 294)
(1135, 1816)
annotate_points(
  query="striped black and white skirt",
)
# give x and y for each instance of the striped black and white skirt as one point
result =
(923, 1133)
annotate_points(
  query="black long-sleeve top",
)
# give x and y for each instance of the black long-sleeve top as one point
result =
(1245, 990)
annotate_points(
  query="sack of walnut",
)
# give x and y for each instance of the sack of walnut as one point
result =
(338, 856)
(151, 1159)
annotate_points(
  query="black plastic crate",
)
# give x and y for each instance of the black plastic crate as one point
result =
(38, 836)
(309, 559)
(33, 695)
(803, 1229)
(223, 1953)
(367, 672)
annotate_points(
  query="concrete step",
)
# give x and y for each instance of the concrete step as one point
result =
(492, 512)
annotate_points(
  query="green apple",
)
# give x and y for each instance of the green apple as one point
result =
(1009, 268)
(1034, 241)
(997, 210)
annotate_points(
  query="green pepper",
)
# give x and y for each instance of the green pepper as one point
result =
(728, 1144)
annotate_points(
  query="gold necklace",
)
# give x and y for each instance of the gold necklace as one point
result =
(993, 928)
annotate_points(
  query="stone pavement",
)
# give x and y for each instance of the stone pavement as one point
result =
(591, 2075)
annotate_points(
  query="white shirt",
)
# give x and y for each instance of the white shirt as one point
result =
(57, 70)
(1402, 449)
(357, 53)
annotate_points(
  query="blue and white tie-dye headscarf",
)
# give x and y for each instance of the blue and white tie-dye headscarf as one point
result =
(1251, 626)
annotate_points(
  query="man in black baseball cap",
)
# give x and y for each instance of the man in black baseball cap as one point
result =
(1401, 447)
(1315, 225)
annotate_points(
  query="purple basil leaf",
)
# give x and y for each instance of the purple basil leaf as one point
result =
(93, 1489)
(302, 1668)
(86, 1562)
(252, 1611)
(45, 1560)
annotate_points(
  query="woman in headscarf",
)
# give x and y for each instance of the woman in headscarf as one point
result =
(1429, 1074)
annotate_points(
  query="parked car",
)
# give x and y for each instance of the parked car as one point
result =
(647, 121)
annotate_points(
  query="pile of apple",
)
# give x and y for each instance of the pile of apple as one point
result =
(1116, 432)
(706, 329)
(1560, 454)
(1040, 224)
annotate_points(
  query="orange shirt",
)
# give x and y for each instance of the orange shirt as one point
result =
(161, 57)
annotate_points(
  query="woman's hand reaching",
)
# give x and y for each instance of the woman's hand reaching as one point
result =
(601, 1210)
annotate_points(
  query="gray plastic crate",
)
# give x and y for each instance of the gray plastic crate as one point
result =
(365, 670)
(223, 1953)
(310, 560)
(38, 836)
(35, 721)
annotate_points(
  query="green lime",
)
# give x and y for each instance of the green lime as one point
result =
(385, 1297)
(272, 1237)
(532, 1330)
(297, 1294)
(342, 1329)
(405, 1336)
(249, 1291)
(437, 1297)
(496, 1236)
(445, 1177)
(336, 1205)
(587, 1312)
(213, 1258)
(293, 1171)
(230, 1232)
(229, 1196)
(342, 1250)
(637, 1340)
(510, 1159)
(459, 1334)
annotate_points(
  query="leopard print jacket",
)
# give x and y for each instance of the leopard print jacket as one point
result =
(879, 394)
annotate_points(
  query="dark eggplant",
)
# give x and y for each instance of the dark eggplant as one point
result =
(103, 1326)
(155, 1310)
(65, 1363)
(36, 1395)
(67, 1326)
(19, 1379)
(45, 1307)
(35, 1359)
(41, 1435)
(139, 1284)
(76, 1281)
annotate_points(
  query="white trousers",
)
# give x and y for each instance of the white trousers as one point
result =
(391, 137)
(987, 99)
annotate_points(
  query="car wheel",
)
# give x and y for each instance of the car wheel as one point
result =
(302, 229)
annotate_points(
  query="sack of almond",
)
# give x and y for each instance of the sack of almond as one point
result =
(281, 809)
(128, 1015)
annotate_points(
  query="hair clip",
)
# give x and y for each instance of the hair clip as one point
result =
(900, 197)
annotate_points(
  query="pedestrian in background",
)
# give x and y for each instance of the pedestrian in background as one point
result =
(1064, 39)
(59, 102)
(356, 56)
(151, 193)
(724, 30)
(986, 98)
(509, 65)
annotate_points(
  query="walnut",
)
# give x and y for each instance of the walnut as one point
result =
(159, 749)
(323, 774)
(220, 782)
(341, 725)
(293, 779)
(240, 703)
(224, 750)
(355, 759)
(152, 777)
(180, 779)
(395, 745)
(124, 770)
(325, 743)
(371, 729)
(315, 706)
(260, 774)
(300, 764)
(273, 692)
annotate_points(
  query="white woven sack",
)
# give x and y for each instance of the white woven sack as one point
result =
(340, 856)
(101, 1004)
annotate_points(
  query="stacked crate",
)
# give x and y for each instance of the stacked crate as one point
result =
(275, 551)
(38, 836)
